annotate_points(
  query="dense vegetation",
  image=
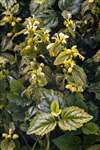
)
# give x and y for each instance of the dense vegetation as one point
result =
(49, 74)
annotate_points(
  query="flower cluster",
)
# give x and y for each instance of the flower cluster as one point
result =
(60, 40)
(38, 77)
(10, 135)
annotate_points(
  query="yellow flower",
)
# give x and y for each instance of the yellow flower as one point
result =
(71, 87)
(60, 38)
(90, 1)
(50, 46)
(70, 70)
(31, 24)
(15, 136)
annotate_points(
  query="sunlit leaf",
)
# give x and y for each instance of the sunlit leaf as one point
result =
(42, 124)
(78, 77)
(55, 110)
(61, 58)
(73, 118)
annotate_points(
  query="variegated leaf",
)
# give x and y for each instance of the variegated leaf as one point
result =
(42, 124)
(73, 118)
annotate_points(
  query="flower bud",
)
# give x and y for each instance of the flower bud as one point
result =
(10, 131)
(9, 34)
(4, 135)
(9, 136)
(70, 70)
(19, 19)
(13, 23)
(15, 136)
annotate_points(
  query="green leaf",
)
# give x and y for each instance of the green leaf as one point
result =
(61, 58)
(93, 64)
(49, 17)
(41, 1)
(95, 87)
(16, 88)
(39, 5)
(6, 3)
(44, 12)
(95, 60)
(97, 76)
(7, 145)
(93, 109)
(44, 98)
(6, 58)
(55, 110)
(94, 147)
(96, 57)
(18, 112)
(70, 5)
(42, 124)
(90, 128)
(63, 4)
(3, 88)
(6, 44)
(3, 61)
(15, 9)
(68, 142)
(16, 85)
(54, 49)
(74, 99)
(89, 140)
(78, 77)
(73, 118)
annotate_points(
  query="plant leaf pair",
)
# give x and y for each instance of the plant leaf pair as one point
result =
(70, 118)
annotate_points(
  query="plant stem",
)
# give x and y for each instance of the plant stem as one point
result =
(48, 142)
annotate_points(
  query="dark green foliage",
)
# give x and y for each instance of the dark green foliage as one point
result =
(49, 74)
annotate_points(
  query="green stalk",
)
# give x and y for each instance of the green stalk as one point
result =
(48, 142)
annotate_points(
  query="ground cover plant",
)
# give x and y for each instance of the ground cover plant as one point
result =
(50, 74)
